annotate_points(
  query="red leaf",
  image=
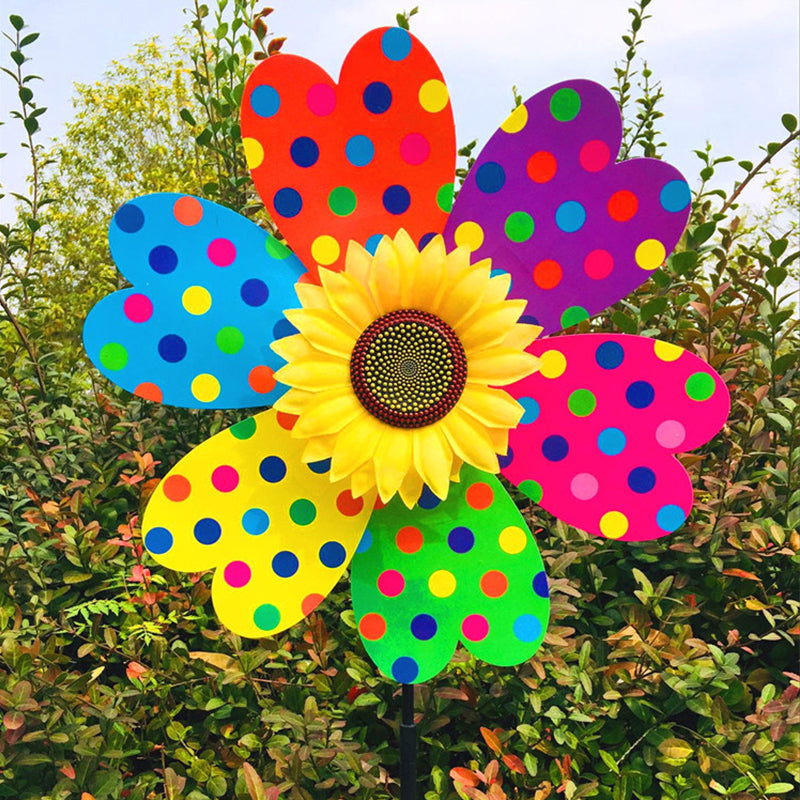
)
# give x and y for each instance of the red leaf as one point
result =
(740, 573)
(464, 776)
(68, 771)
(514, 763)
(13, 720)
(490, 737)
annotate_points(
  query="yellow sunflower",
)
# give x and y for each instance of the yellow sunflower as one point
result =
(393, 373)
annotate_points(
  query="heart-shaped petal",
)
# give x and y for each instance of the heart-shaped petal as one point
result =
(604, 416)
(278, 531)
(546, 201)
(356, 160)
(464, 569)
(209, 289)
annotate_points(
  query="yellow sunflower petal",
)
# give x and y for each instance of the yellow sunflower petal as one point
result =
(311, 296)
(522, 335)
(393, 458)
(319, 448)
(499, 366)
(324, 329)
(494, 408)
(292, 347)
(469, 440)
(463, 296)
(408, 257)
(384, 278)
(433, 458)
(499, 437)
(327, 412)
(293, 402)
(356, 444)
(427, 279)
(363, 479)
(490, 325)
(315, 373)
(455, 470)
(348, 298)
(499, 287)
(411, 489)
(358, 262)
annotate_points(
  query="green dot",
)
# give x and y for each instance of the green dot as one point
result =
(244, 429)
(573, 315)
(277, 249)
(700, 386)
(519, 226)
(302, 512)
(113, 356)
(444, 197)
(582, 402)
(532, 489)
(230, 340)
(267, 617)
(565, 104)
(342, 201)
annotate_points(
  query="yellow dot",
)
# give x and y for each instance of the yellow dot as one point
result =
(516, 120)
(196, 300)
(325, 250)
(205, 388)
(433, 95)
(512, 540)
(667, 351)
(442, 583)
(470, 235)
(650, 254)
(253, 152)
(613, 524)
(552, 364)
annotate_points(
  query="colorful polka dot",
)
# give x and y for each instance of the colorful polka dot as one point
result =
(310, 602)
(196, 300)
(371, 245)
(650, 254)
(666, 351)
(613, 524)
(243, 429)
(377, 98)
(670, 517)
(598, 264)
(516, 120)
(494, 583)
(490, 177)
(531, 410)
(552, 364)
(670, 434)
(261, 379)
(347, 505)
(302, 512)
(267, 617)
(512, 540)
(570, 216)
(287, 202)
(479, 496)
(391, 583)
(527, 628)
(540, 585)
(470, 235)
(426, 239)
(372, 626)
(222, 252)
(584, 486)
(253, 152)
(207, 531)
(423, 627)
(699, 386)
(442, 583)
(396, 44)
(675, 196)
(176, 488)
(555, 448)
(565, 104)
(396, 199)
(320, 468)
(519, 226)
(365, 542)
(265, 101)
(444, 197)
(405, 669)
(408, 540)
(225, 478)
(285, 564)
(187, 210)
(172, 348)
(475, 627)
(641, 480)
(237, 574)
(304, 151)
(433, 96)
(286, 421)
(609, 355)
(542, 167)
(158, 541)
(342, 201)
(321, 99)
(255, 521)
(272, 469)
(359, 150)
(547, 274)
(325, 250)
(594, 155)
(427, 499)
(162, 259)
(415, 149)
(283, 328)
(622, 206)
(276, 249)
(573, 315)
(461, 539)
(640, 394)
(138, 308)
(113, 356)
(129, 218)
(149, 391)
(532, 489)
(582, 402)
(229, 340)
(611, 441)
(332, 555)
(254, 292)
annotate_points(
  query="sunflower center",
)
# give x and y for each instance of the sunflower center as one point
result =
(408, 368)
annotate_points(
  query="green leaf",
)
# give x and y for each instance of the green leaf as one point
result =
(17, 22)
(703, 232)
(677, 749)
(776, 276)
(780, 788)
(789, 122)
(609, 761)
(652, 308)
(777, 247)
(29, 39)
(625, 323)
(746, 165)
(186, 116)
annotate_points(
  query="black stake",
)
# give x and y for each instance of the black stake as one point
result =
(408, 746)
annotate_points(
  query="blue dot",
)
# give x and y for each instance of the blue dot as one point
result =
(304, 151)
(283, 328)
(396, 44)
(505, 460)
(611, 441)
(366, 541)
(428, 500)
(254, 292)
(377, 97)
(555, 448)
(609, 355)
(332, 554)
(396, 199)
(461, 539)
(320, 467)
(540, 584)
(423, 627)
(527, 628)
(372, 243)
(272, 469)
(529, 319)
(531, 410)
(640, 394)
(255, 521)
(359, 150)
(405, 669)
(207, 530)
(158, 540)
(426, 239)
(675, 196)
(570, 216)
(172, 348)
(285, 564)
(490, 177)
(641, 480)
(265, 101)
(129, 218)
(162, 259)
(287, 202)
(670, 517)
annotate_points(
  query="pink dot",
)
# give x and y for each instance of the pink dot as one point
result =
(594, 155)
(475, 627)
(138, 308)
(321, 99)
(225, 478)
(670, 434)
(391, 583)
(237, 574)
(598, 264)
(415, 149)
(221, 252)
(584, 486)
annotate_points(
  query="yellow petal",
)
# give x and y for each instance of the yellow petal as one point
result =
(494, 408)
(327, 412)
(470, 441)
(499, 366)
(433, 458)
(428, 277)
(384, 277)
(490, 325)
(499, 287)
(319, 448)
(293, 402)
(411, 489)
(311, 296)
(355, 445)
(326, 330)
(522, 335)
(393, 459)
(463, 296)
(499, 437)
(363, 479)
(348, 298)
(408, 258)
(315, 373)
(455, 470)
(358, 262)
(292, 347)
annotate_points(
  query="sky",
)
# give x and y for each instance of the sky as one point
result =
(728, 68)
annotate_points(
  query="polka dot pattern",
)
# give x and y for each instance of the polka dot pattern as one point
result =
(603, 419)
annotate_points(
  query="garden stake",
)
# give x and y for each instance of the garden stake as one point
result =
(408, 746)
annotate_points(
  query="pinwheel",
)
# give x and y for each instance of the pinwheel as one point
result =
(401, 345)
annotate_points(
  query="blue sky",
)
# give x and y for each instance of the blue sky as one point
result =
(728, 67)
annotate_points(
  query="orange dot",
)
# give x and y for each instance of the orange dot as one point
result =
(307, 277)
(542, 167)
(286, 421)
(547, 274)
(480, 496)
(379, 504)
(348, 505)
(408, 539)
(494, 583)
(176, 488)
(261, 380)
(149, 391)
(622, 205)
(187, 210)
(372, 626)
(310, 602)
